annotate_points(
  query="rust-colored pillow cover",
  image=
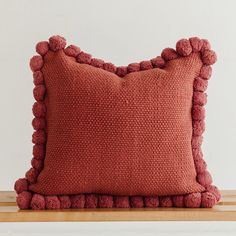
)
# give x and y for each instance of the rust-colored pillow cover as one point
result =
(108, 136)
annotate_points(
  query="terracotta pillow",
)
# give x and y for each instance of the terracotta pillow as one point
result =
(108, 136)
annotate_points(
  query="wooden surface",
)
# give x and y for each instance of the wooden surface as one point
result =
(224, 211)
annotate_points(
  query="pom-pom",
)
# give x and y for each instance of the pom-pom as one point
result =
(145, 65)
(91, 201)
(197, 153)
(206, 72)
(72, 51)
(204, 178)
(136, 202)
(205, 45)
(38, 123)
(38, 78)
(199, 98)
(196, 44)
(198, 112)
(77, 201)
(38, 151)
(52, 202)
(192, 200)
(121, 71)
(84, 57)
(178, 201)
(42, 48)
(200, 84)
(214, 190)
(31, 175)
(38, 202)
(39, 92)
(39, 109)
(158, 62)
(151, 201)
(105, 201)
(121, 202)
(36, 63)
(200, 165)
(196, 141)
(165, 201)
(169, 54)
(56, 43)
(133, 67)
(97, 62)
(65, 202)
(198, 127)
(23, 200)
(109, 67)
(183, 47)
(21, 185)
(209, 57)
(37, 164)
(39, 137)
(208, 200)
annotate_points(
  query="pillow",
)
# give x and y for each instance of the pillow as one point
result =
(128, 136)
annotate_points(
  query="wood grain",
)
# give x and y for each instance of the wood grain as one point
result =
(225, 210)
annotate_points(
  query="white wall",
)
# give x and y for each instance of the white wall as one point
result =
(119, 228)
(121, 31)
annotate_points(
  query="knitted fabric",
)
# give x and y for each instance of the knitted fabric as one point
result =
(122, 136)
(108, 136)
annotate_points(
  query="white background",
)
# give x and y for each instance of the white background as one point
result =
(120, 31)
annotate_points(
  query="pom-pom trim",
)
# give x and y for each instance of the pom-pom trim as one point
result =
(184, 47)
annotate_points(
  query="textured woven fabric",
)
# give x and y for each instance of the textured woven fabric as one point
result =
(121, 136)
(128, 136)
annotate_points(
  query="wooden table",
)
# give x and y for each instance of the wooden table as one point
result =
(225, 210)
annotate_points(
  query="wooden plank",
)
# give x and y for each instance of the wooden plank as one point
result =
(224, 211)
(218, 213)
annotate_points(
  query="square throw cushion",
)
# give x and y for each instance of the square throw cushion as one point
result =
(128, 136)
